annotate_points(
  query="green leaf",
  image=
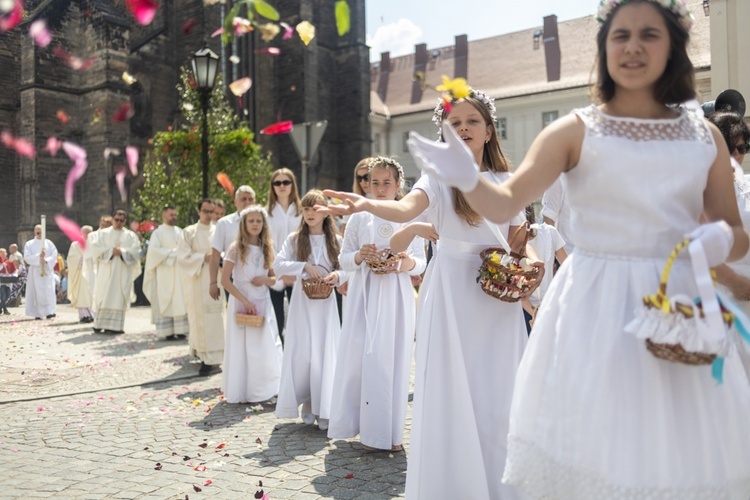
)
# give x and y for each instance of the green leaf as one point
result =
(266, 10)
(343, 17)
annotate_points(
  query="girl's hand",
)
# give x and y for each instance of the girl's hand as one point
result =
(451, 161)
(249, 307)
(534, 283)
(426, 230)
(332, 279)
(407, 263)
(261, 281)
(351, 203)
(368, 251)
(288, 280)
(313, 271)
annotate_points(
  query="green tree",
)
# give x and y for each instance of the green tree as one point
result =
(173, 169)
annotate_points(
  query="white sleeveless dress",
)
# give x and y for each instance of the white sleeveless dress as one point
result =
(594, 414)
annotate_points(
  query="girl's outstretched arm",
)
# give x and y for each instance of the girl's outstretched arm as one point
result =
(403, 210)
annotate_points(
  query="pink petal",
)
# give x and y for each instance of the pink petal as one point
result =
(70, 229)
(278, 128)
(7, 139)
(110, 151)
(143, 10)
(273, 51)
(120, 178)
(12, 19)
(288, 31)
(53, 146)
(188, 26)
(20, 145)
(217, 32)
(132, 153)
(78, 155)
(74, 62)
(39, 33)
(125, 113)
(74, 151)
(239, 87)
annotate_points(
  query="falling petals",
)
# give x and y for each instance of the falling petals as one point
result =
(74, 62)
(120, 179)
(241, 26)
(78, 155)
(132, 154)
(274, 51)
(39, 33)
(62, 116)
(71, 230)
(268, 31)
(458, 88)
(125, 113)
(226, 183)
(188, 26)
(288, 31)
(20, 145)
(278, 128)
(143, 10)
(128, 78)
(111, 151)
(217, 32)
(343, 22)
(241, 86)
(53, 146)
(234, 59)
(306, 32)
(146, 226)
(13, 18)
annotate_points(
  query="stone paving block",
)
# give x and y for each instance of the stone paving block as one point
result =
(343, 494)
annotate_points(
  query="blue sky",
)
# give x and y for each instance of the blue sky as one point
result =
(397, 25)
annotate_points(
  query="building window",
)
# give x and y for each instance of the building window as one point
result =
(376, 145)
(405, 145)
(548, 117)
(502, 128)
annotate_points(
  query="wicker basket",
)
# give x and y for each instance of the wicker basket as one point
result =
(675, 352)
(249, 320)
(316, 288)
(386, 263)
(504, 278)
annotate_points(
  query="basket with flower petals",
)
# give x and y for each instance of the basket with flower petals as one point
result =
(385, 263)
(508, 276)
(316, 288)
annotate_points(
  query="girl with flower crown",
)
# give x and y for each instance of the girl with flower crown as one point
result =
(595, 415)
(252, 355)
(371, 390)
(469, 344)
(314, 328)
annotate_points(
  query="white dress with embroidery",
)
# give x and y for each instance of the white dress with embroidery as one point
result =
(252, 356)
(594, 414)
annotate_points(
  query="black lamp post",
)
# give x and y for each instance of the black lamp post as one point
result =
(205, 65)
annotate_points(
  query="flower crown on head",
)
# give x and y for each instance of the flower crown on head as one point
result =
(388, 162)
(439, 114)
(677, 7)
(254, 208)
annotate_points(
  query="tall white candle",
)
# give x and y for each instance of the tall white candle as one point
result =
(44, 228)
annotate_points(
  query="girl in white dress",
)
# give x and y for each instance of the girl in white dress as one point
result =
(371, 390)
(284, 216)
(595, 415)
(469, 344)
(252, 356)
(313, 324)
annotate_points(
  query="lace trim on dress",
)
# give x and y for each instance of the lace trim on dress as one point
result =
(689, 126)
(539, 476)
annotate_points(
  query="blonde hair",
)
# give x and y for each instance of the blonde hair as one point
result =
(293, 196)
(302, 236)
(363, 163)
(243, 237)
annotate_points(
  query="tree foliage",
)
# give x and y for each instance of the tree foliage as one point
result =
(173, 171)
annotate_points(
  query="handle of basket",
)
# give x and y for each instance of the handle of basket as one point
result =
(662, 293)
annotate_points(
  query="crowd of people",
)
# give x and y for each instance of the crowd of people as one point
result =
(573, 407)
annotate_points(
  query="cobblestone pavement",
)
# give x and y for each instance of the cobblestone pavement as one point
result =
(125, 416)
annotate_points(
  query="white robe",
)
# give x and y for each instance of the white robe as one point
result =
(162, 283)
(205, 315)
(115, 275)
(79, 277)
(371, 390)
(252, 356)
(40, 290)
(312, 336)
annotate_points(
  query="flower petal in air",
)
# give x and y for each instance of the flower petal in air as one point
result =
(120, 179)
(343, 17)
(111, 151)
(80, 164)
(273, 51)
(278, 128)
(241, 86)
(306, 32)
(125, 113)
(226, 183)
(268, 31)
(53, 146)
(62, 116)
(217, 32)
(188, 26)
(20, 145)
(143, 10)
(146, 226)
(71, 230)
(458, 88)
(132, 154)
(74, 62)
(39, 33)
(288, 31)
(13, 18)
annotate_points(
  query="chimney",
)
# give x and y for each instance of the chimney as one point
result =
(461, 58)
(420, 64)
(552, 48)
(385, 70)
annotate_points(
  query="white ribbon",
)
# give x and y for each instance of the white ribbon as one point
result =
(716, 330)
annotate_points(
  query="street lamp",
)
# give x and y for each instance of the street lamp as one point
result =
(205, 64)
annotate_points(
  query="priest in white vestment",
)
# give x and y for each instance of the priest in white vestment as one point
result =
(40, 257)
(81, 278)
(162, 283)
(205, 315)
(117, 251)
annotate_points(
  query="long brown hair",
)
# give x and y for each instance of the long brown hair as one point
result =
(363, 163)
(266, 243)
(302, 236)
(675, 85)
(493, 160)
(293, 196)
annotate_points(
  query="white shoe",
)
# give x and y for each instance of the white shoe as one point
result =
(323, 424)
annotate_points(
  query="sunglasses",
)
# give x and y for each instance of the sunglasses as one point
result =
(363, 178)
(119, 220)
(741, 149)
(282, 183)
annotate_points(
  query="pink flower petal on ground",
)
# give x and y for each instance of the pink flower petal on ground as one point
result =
(132, 153)
(39, 33)
(239, 87)
(273, 51)
(278, 128)
(71, 230)
(53, 146)
(143, 10)
(120, 178)
(13, 18)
